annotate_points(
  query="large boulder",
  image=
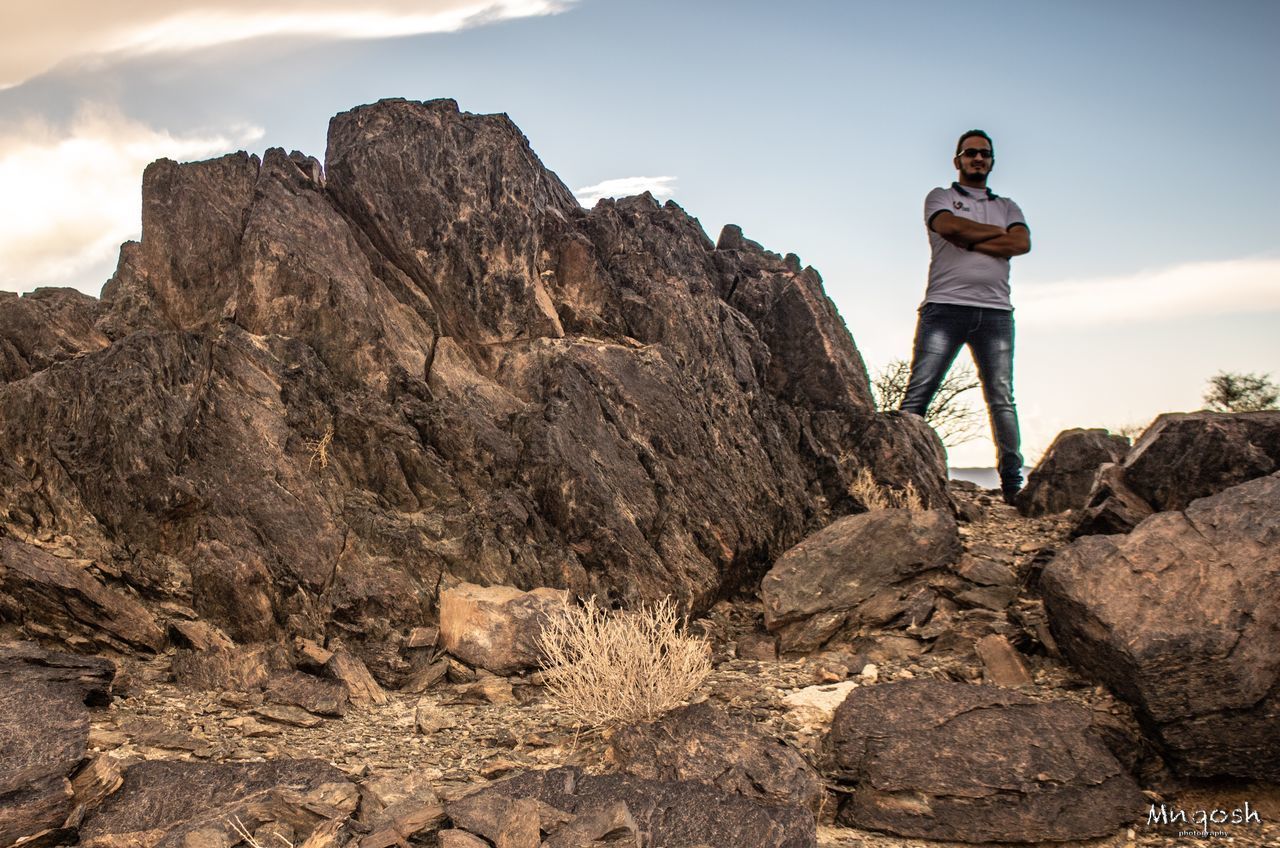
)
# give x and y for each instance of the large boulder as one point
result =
(497, 628)
(1064, 477)
(956, 761)
(44, 735)
(674, 814)
(865, 569)
(1185, 456)
(1182, 619)
(705, 744)
(423, 363)
(1181, 457)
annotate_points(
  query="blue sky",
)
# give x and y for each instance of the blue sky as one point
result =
(1140, 138)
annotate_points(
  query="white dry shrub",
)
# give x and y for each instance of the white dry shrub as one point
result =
(872, 495)
(611, 668)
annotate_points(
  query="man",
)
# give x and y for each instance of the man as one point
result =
(973, 233)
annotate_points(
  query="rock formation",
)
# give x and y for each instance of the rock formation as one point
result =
(952, 761)
(1064, 477)
(1181, 618)
(309, 394)
(863, 569)
(1181, 457)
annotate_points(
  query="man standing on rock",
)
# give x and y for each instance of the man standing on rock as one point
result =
(973, 232)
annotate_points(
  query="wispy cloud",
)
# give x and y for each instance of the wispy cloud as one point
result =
(1193, 289)
(72, 193)
(38, 36)
(625, 187)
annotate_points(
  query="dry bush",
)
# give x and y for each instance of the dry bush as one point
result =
(612, 668)
(872, 495)
(319, 449)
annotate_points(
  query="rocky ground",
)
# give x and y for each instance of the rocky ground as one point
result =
(473, 738)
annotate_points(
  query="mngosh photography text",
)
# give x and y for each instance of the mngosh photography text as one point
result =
(1201, 819)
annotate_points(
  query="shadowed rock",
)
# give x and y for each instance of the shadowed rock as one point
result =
(863, 569)
(704, 744)
(1064, 477)
(1182, 457)
(55, 593)
(1185, 456)
(44, 733)
(1180, 618)
(45, 327)
(674, 814)
(1112, 506)
(955, 761)
(169, 803)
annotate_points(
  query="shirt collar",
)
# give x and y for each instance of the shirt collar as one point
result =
(991, 195)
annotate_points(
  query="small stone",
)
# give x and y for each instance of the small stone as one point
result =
(757, 646)
(347, 668)
(284, 714)
(429, 718)
(497, 768)
(1002, 664)
(422, 680)
(497, 627)
(830, 673)
(460, 672)
(249, 726)
(240, 700)
(423, 637)
(104, 739)
(311, 655)
(870, 673)
(494, 690)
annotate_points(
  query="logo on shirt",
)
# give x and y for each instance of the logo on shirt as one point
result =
(959, 204)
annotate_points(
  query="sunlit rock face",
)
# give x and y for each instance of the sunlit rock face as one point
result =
(311, 395)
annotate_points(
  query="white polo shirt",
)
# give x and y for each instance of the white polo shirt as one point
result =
(966, 277)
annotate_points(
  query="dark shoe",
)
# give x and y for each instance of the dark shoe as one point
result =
(1010, 496)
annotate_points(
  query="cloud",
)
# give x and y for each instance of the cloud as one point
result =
(72, 194)
(1180, 291)
(39, 36)
(625, 187)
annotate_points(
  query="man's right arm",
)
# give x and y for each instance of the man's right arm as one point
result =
(962, 232)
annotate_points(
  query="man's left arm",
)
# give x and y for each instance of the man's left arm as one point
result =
(1015, 242)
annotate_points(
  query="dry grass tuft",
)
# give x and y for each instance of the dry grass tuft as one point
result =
(612, 668)
(872, 495)
(320, 449)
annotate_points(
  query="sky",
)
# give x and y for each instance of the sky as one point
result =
(1139, 138)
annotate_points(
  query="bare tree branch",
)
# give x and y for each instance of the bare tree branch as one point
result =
(950, 414)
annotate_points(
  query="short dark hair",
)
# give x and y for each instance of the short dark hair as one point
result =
(971, 134)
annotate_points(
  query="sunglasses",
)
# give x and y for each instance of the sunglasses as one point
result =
(977, 153)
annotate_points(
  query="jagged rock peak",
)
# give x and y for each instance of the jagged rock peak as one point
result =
(311, 397)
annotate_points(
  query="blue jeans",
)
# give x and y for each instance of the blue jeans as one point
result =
(942, 330)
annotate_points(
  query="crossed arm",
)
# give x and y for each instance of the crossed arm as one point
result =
(982, 238)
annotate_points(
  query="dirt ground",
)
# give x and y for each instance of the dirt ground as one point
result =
(157, 720)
